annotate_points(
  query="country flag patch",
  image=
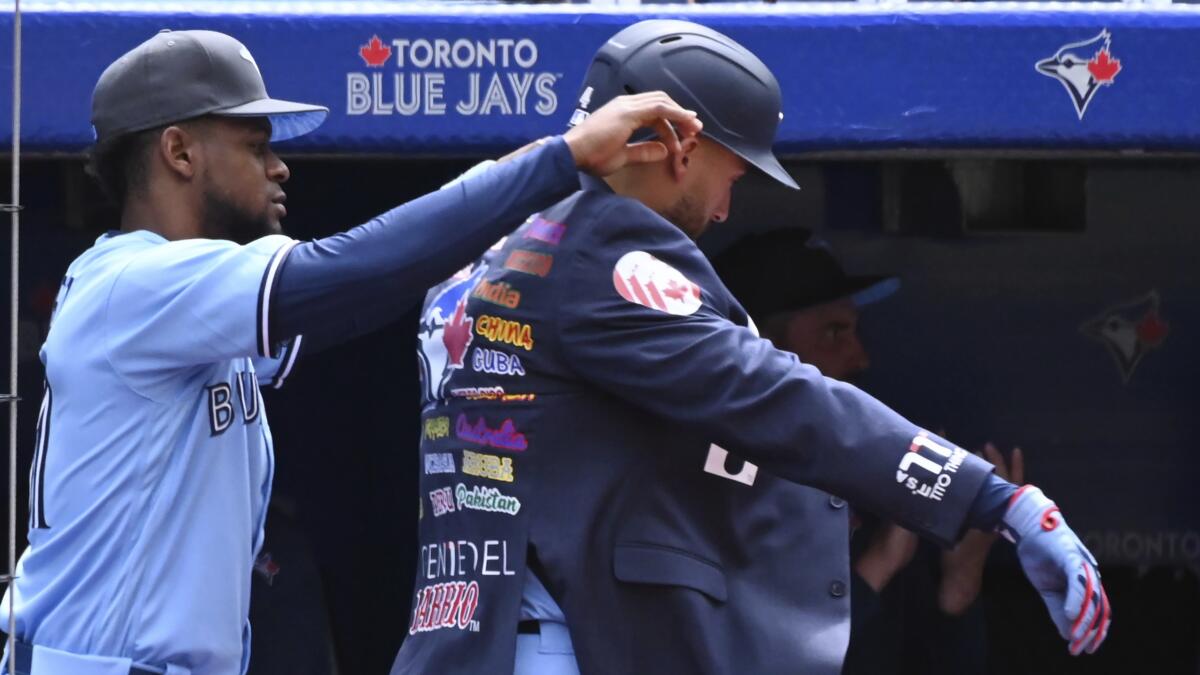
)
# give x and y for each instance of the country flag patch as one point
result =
(645, 280)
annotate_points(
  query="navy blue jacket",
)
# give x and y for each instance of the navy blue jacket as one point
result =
(580, 383)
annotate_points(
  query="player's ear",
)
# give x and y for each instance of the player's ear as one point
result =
(681, 161)
(178, 150)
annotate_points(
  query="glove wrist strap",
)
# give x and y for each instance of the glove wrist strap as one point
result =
(1029, 511)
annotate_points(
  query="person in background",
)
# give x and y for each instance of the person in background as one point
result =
(804, 302)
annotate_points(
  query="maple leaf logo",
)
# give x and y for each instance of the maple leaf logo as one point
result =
(1103, 67)
(674, 290)
(375, 53)
(456, 334)
(1079, 75)
(1151, 330)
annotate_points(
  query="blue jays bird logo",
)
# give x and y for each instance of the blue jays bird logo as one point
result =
(1129, 331)
(1082, 71)
(446, 332)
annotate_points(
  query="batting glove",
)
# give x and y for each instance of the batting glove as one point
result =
(1059, 566)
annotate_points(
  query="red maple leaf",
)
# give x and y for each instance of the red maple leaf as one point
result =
(375, 53)
(456, 334)
(1152, 330)
(674, 290)
(1104, 68)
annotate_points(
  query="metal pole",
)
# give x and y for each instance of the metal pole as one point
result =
(12, 317)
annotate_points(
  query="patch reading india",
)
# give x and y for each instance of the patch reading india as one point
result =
(645, 280)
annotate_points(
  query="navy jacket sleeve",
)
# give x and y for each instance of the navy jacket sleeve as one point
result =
(340, 286)
(685, 360)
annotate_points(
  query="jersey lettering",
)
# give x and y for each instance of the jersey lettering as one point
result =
(248, 384)
(715, 464)
(220, 401)
(220, 408)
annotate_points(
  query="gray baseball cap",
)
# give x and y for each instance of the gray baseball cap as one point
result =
(178, 75)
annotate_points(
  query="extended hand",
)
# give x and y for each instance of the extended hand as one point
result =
(962, 566)
(600, 144)
(1061, 569)
(891, 548)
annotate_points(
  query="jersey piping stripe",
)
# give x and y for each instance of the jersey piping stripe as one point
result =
(264, 299)
(289, 360)
(39, 466)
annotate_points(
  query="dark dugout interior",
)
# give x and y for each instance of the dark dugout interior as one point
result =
(1009, 268)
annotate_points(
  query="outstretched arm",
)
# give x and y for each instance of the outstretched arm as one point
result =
(340, 285)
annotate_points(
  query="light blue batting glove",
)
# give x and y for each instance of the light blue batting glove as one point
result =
(1060, 567)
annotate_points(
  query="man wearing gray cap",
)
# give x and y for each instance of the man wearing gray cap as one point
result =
(153, 464)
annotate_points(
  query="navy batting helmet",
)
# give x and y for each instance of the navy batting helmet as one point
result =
(732, 91)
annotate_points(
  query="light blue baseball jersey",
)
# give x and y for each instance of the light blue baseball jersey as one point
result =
(153, 465)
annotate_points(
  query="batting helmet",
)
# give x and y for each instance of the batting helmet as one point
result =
(732, 91)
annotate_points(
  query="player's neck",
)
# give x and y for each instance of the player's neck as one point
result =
(166, 217)
(645, 184)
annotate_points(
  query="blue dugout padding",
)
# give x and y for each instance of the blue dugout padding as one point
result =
(453, 80)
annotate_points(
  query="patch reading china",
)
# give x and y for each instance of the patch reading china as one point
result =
(1082, 71)
(645, 280)
(496, 329)
(1129, 331)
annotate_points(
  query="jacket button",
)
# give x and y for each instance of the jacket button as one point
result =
(836, 502)
(837, 589)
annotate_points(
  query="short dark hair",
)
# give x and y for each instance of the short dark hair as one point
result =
(120, 164)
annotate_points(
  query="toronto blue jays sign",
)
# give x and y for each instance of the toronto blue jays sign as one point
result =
(472, 80)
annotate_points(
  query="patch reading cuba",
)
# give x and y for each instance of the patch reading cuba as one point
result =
(645, 280)
(1129, 331)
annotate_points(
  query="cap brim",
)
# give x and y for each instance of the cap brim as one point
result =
(763, 161)
(767, 163)
(868, 289)
(288, 118)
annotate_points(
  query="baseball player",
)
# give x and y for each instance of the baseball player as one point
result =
(153, 464)
(599, 413)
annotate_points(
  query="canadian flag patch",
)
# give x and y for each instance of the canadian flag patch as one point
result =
(645, 280)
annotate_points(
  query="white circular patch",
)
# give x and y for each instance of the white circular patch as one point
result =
(645, 280)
